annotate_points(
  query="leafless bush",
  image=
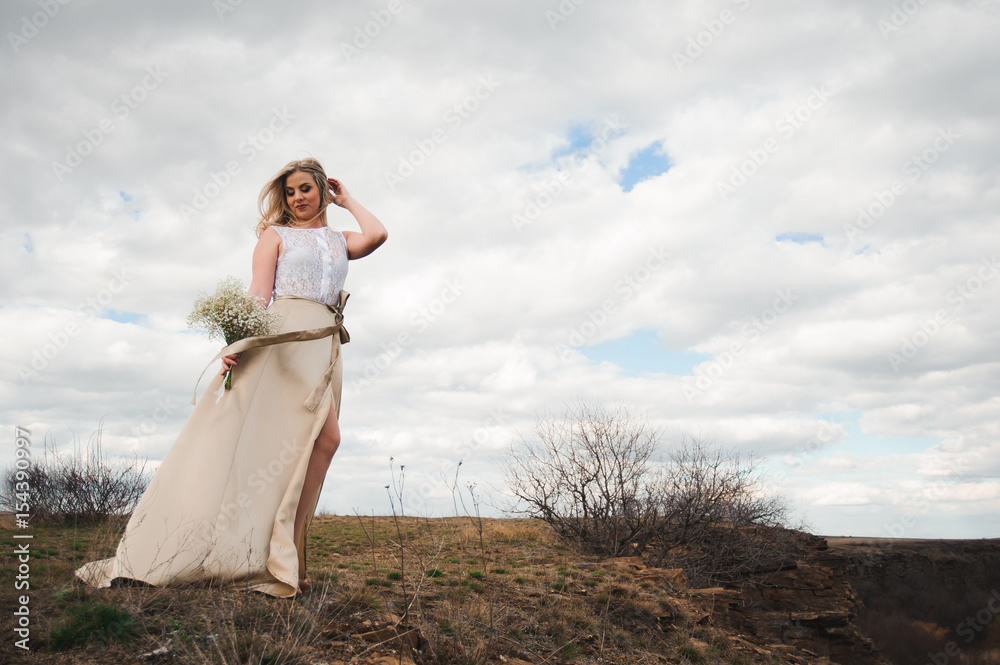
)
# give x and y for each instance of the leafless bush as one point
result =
(719, 526)
(596, 476)
(63, 488)
(589, 476)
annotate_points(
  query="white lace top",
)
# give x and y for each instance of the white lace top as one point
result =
(312, 264)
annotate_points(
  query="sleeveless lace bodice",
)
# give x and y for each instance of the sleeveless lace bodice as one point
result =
(312, 264)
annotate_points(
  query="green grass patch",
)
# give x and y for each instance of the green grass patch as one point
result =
(571, 651)
(92, 621)
(691, 654)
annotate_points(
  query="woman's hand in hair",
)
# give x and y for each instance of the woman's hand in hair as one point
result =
(340, 193)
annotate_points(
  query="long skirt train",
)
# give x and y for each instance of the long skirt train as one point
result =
(221, 506)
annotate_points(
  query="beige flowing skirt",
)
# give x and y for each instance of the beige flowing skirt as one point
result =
(221, 506)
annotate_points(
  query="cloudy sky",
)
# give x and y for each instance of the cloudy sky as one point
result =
(772, 226)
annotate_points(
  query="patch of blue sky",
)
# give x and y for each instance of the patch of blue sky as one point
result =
(870, 444)
(648, 163)
(863, 445)
(643, 352)
(131, 211)
(125, 317)
(799, 238)
(579, 139)
(29, 243)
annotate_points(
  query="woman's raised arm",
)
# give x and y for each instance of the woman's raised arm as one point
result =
(372, 235)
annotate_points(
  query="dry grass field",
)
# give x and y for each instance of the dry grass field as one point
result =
(445, 590)
(464, 590)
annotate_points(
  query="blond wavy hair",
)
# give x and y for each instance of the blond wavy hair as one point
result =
(274, 208)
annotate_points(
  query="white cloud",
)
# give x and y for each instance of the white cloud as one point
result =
(841, 494)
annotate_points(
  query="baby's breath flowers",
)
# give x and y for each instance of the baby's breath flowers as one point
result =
(232, 314)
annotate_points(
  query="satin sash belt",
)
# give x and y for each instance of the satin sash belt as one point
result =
(294, 336)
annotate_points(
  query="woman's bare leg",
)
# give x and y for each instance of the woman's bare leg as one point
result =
(319, 462)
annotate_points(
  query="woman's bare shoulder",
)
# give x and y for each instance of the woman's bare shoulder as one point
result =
(270, 241)
(270, 234)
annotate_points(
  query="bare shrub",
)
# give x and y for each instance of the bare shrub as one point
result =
(589, 476)
(82, 489)
(719, 525)
(597, 477)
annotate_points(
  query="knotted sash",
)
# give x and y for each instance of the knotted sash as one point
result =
(294, 336)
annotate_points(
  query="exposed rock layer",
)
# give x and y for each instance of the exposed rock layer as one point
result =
(805, 606)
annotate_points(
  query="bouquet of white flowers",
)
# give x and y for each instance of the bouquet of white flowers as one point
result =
(232, 314)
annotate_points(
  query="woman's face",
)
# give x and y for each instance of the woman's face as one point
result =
(302, 195)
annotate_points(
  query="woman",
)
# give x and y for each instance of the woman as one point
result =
(234, 497)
